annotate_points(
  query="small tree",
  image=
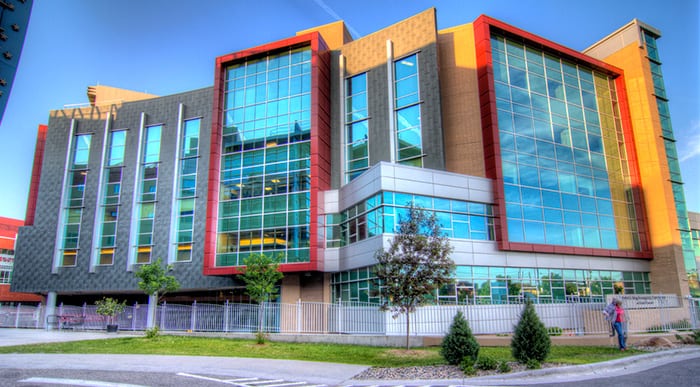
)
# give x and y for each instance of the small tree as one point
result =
(459, 343)
(530, 341)
(261, 274)
(110, 308)
(154, 279)
(416, 264)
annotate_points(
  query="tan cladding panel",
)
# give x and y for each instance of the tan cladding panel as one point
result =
(407, 36)
(651, 152)
(334, 34)
(459, 93)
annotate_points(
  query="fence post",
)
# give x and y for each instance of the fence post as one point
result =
(38, 315)
(193, 317)
(162, 315)
(298, 315)
(340, 315)
(226, 317)
(19, 308)
(134, 309)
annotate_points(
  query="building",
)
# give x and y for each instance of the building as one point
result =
(14, 19)
(8, 236)
(540, 161)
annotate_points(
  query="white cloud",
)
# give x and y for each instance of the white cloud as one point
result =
(334, 15)
(689, 147)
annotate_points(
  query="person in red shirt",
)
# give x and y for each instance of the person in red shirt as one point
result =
(619, 324)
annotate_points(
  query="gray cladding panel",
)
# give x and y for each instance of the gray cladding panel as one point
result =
(36, 244)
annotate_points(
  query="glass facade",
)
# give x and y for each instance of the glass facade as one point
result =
(382, 212)
(409, 145)
(75, 195)
(689, 256)
(264, 192)
(111, 190)
(504, 285)
(356, 127)
(564, 165)
(146, 207)
(7, 258)
(189, 156)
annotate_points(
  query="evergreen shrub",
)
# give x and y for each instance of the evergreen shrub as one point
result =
(530, 340)
(459, 343)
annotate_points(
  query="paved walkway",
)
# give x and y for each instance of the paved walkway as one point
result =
(330, 374)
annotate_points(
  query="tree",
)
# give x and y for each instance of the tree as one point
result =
(110, 308)
(531, 340)
(155, 281)
(261, 274)
(416, 264)
(459, 343)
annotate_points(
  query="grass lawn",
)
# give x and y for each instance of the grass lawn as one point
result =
(334, 353)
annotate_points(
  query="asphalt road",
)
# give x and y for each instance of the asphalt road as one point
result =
(682, 373)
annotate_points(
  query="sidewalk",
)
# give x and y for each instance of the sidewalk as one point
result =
(330, 374)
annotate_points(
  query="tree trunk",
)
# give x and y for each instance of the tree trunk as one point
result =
(408, 326)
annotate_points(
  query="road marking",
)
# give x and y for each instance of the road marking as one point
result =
(211, 379)
(252, 382)
(77, 382)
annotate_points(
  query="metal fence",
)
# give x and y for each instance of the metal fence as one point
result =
(646, 313)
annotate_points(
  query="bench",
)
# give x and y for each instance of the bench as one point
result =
(62, 321)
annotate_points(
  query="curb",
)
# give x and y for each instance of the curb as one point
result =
(618, 367)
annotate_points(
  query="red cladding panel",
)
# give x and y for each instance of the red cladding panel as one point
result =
(36, 174)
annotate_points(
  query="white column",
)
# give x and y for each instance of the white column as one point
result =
(390, 87)
(174, 210)
(152, 305)
(135, 208)
(50, 306)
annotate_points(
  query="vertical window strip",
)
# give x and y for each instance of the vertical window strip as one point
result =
(356, 127)
(110, 201)
(147, 194)
(189, 154)
(75, 195)
(407, 114)
(691, 265)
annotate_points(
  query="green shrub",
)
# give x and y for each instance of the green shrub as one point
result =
(692, 338)
(459, 343)
(486, 363)
(504, 367)
(533, 364)
(467, 366)
(554, 331)
(152, 333)
(676, 325)
(530, 339)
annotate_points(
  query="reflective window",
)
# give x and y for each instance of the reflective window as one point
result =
(409, 146)
(75, 195)
(382, 212)
(505, 285)
(117, 146)
(564, 163)
(356, 127)
(147, 200)
(187, 190)
(265, 164)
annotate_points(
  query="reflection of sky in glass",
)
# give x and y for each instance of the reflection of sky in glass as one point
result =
(555, 170)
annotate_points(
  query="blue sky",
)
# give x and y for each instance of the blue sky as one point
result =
(169, 46)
